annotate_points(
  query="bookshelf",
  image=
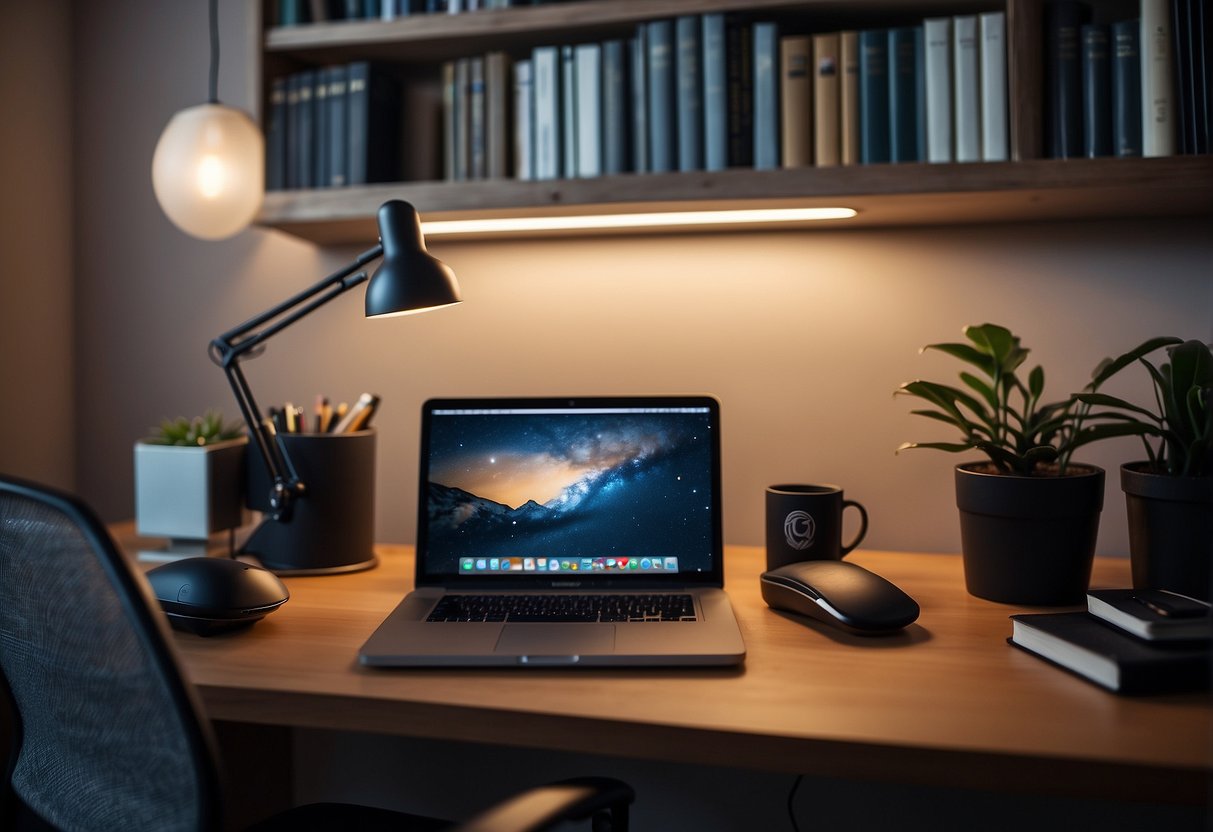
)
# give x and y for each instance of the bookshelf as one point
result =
(1026, 189)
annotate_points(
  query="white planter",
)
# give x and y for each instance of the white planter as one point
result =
(187, 493)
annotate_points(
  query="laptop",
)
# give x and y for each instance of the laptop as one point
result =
(556, 532)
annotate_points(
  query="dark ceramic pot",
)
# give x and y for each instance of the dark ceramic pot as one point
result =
(1170, 530)
(1029, 540)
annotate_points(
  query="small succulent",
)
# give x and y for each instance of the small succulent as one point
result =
(201, 430)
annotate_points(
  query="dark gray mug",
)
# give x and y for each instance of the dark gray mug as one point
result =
(804, 522)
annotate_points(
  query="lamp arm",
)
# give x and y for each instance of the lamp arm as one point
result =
(227, 349)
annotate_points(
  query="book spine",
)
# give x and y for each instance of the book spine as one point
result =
(449, 121)
(463, 119)
(373, 140)
(357, 114)
(992, 28)
(663, 125)
(546, 68)
(739, 57)
(848, 105)
(966, 92)
(1202, 61)
(615, 110)
(796, 101)
(937, 40)
(873, 96)
(766, 96)
(524, 121)
(290, 165)
(1063, 78)
(497, 90)
(337, 125)
(568, 111)
(1096, 91)
(477, 120)
(1181, 49)
(1126, 88)
(320, 124)
(715, 94)
(1157, 80)
(275, 141)
(903, 94)
(688, 35)
(639, 83)
(589, 109)
(305, 134)
(826, 89)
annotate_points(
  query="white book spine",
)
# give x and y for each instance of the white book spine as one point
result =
(966, 95)
(994, 142)
(589, 110)
(546, 70)
(937, 38)
(524, 121)
(1157, 84)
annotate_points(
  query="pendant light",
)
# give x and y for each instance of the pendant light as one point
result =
(208, 170)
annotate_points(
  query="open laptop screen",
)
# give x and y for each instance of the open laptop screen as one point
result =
(601, 490)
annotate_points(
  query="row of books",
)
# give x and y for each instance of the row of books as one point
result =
(1136, 87)
(299, 12)
(1129, 640)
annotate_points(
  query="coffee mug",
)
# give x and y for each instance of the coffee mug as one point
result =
(804, 522)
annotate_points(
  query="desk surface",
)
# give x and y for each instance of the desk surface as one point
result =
(948, 702)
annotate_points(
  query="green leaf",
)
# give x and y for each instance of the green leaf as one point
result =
(1104, 400)
(943, 397)
(983, 389)
(950, 447)
(1111, 366)
(967, 354)
(1036, 381)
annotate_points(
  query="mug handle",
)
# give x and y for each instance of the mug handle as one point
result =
(863, 525)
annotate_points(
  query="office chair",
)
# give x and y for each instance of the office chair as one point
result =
(106, 732)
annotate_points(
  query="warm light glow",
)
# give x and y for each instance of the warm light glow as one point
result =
(208, 170)
(404, 312)
(653, 220)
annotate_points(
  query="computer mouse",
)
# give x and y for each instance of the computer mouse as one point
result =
(841, 594)
(212, 595)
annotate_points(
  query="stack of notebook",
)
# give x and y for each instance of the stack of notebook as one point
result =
(1129, 641)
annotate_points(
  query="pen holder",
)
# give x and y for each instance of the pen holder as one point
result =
(332, 526)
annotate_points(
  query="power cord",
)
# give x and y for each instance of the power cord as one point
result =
(791, 798)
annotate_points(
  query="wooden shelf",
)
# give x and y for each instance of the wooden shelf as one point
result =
(884, 195)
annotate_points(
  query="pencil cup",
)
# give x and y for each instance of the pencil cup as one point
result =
(332, 526)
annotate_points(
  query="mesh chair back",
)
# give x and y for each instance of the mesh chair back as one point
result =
(110, 735)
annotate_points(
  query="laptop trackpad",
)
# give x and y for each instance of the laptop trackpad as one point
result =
(556, 639)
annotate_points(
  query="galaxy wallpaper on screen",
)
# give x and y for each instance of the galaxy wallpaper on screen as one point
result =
(570, 486)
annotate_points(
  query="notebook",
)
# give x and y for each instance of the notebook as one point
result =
(566, 532)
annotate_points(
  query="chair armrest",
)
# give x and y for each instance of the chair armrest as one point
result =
(604, 799)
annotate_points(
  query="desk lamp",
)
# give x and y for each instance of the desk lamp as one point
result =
(408, 280)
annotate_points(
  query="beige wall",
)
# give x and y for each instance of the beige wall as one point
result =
(37, 438)
(803, 336)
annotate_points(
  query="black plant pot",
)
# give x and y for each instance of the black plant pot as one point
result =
(1170, 530)
(1029, 540)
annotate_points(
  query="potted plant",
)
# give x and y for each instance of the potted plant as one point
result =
(1029, 516)
(1169, 494)
(189, 481)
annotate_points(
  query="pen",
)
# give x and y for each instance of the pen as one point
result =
(338, 415)
(358, 414)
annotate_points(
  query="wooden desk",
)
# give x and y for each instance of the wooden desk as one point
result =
(946, 703)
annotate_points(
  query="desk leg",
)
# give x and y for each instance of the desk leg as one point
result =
(257, 766)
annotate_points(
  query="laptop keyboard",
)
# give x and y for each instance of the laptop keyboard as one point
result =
(564, 608)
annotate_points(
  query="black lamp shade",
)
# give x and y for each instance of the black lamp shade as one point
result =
(409, 279)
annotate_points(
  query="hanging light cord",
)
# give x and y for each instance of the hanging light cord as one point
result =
(214, 79)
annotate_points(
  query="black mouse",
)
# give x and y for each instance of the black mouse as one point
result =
(839, 593)
(213, 595)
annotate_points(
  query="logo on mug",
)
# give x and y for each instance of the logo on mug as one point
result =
(798, 529)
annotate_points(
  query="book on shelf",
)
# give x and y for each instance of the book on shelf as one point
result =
(461, 140)
(904, 50)
(588, 72)
(848, 94)
(320, 124)
(662, 96)
(1063, 78)
(766, 96)
(739, 101)
(450, 121)
(304, 129)
(477, 161)
(373, 138)
(638, 51)
(337, 124)
(966, 89)
(992, 32)
(275, 137)
(688, 63)
(1157, 79)
(1096, 91)
(545, 67)
(524, 121)
(616, 110)
(796, 101)
(497, 111)
(568, 111)
(874, 96)
(1126, 87)
(1111, 658)
(827, 84)
(937, 67)
(1153, 614)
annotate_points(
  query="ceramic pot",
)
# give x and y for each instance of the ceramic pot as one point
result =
(1170, 530)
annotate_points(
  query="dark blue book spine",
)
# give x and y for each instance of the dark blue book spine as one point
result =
(874, 144)
(337, 125)
(275, 139)
(1063, 78)
(639, 83)
(320, 129)
(904, 106)
(766, 96)
(739, 44)
(688, 32)
(663, 125)
(373, 135)
(920, 89)
(305, 131)
(1126, 87)
(1096, 91)
(616, 111)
